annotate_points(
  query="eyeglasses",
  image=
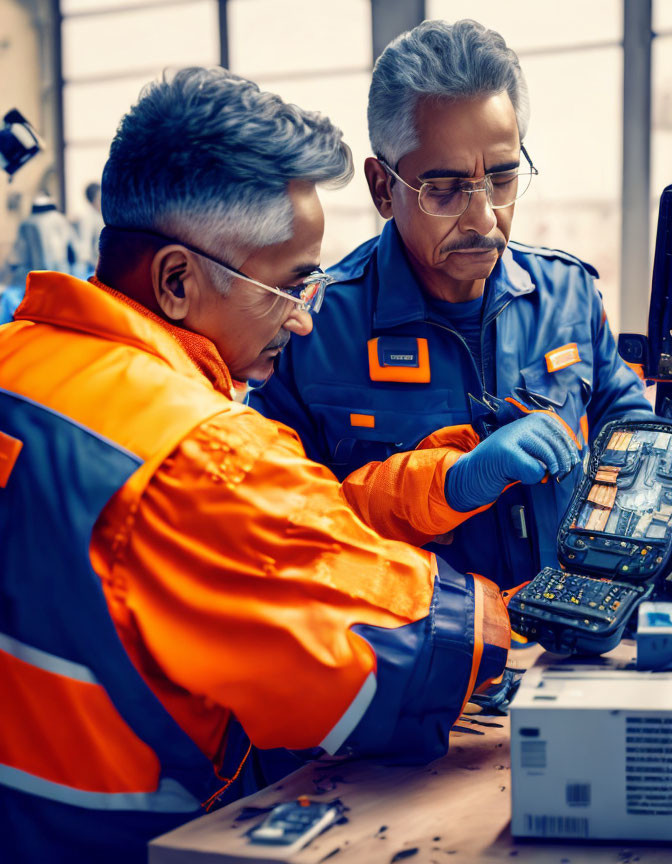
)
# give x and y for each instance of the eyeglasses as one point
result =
(450, 196)
(308, 294)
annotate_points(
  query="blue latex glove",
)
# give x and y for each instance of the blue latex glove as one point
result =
(524, 451)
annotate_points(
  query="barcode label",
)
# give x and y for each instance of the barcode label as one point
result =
(578, 794)
(533, 754)
(556, 826)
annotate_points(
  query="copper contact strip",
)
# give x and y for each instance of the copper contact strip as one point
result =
(603, 495)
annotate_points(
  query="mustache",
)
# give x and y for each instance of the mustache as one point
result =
(476, 242)
(279, 342)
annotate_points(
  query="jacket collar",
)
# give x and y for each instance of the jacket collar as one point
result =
(63, 301)
(400, 298)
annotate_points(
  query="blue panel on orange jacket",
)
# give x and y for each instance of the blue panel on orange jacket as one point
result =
(416, 667)
(44, 557)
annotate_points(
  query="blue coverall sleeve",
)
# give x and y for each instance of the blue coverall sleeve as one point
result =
(279, 399)
(425, 668)
(617, 391)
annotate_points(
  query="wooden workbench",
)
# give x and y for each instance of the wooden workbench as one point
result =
(454, 811)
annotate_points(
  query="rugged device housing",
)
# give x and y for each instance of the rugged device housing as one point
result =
(614, 544)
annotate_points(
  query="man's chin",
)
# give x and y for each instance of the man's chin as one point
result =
(260, 370)
(471, 265)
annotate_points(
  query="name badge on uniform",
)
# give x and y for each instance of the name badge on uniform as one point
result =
(402, 359)
(560, 358)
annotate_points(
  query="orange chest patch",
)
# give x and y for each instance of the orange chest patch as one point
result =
(560, 358)
(403, 359)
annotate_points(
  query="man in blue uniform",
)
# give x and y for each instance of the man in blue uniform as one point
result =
(439, 319)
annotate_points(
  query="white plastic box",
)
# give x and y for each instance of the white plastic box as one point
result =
(591, 750)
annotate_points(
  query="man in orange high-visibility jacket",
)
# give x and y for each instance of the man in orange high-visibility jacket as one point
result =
(183, 591)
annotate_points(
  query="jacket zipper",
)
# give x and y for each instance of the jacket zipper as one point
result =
(486, 323)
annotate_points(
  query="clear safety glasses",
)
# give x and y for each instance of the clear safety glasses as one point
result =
(450, 196)
(308, 293)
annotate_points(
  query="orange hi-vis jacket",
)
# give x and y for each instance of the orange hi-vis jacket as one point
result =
(404, 496)
(181, 584)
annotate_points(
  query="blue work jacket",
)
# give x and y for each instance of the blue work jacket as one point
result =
(382, 370)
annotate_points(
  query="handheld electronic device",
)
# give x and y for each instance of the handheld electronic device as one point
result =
(614, 544)
(289, 827)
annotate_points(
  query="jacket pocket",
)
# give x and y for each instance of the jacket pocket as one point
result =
(357, 435)
(568, 390)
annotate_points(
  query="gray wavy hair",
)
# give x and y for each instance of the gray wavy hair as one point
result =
(207, 154)
(457, 61)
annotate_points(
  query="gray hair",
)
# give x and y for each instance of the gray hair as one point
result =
(457, 61)
(206, 154)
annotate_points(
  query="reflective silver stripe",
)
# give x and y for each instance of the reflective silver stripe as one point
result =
(170, 797)
(352, 716)
(48, 662)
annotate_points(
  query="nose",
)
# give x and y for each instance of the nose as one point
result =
(479, 215)
(298, 322)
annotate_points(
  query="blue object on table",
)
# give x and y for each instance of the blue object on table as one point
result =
(654, 636)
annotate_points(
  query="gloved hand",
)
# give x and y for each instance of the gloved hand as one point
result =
(524, 451)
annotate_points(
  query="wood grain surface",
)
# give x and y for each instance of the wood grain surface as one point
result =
(456, 810)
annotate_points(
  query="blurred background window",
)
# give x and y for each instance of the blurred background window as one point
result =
(319, 54)
(322, 62)
(110, 50)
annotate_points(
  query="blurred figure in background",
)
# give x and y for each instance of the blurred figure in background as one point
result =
(89, 227)
(45, 241)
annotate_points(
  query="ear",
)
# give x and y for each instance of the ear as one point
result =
(379, 186)
(174, 282)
